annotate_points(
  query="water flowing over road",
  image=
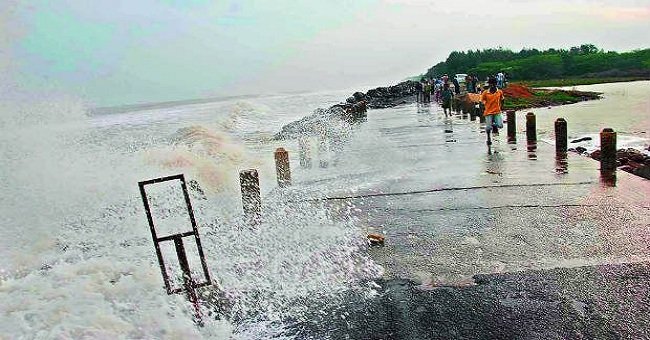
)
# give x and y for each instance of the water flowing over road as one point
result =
(77, 257)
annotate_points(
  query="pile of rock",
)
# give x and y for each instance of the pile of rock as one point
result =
(353, 110)
(630, 160)
(383, 97)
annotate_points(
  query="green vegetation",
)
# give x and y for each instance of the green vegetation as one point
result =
(585, 61)
(576, 81)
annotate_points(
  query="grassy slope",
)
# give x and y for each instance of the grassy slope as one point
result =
(576, 81)
(543, 98)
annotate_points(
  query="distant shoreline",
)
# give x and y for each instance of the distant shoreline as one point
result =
(158, 105)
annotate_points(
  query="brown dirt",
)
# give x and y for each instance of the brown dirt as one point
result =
(517, 91)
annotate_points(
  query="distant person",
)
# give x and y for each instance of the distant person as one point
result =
(492, 99)
(427, 91)
(438, 90)
(456, 85)
(500, 80)
(475, 84)
(419, 90)
(469, 84)
(445, 79)
(447, 96)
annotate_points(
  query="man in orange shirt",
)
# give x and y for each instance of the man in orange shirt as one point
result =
(492, 98)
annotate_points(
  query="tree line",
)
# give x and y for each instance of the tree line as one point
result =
(580, 61)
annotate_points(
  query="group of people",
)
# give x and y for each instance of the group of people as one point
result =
(491, 98)
(472, 83)
(439, 88)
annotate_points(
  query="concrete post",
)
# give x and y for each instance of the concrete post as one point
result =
(512, 125)
(531, 129)
(560, 136)
(607, 150)
(304, 152)
(250, 195)
(282, 168)
(323, 154)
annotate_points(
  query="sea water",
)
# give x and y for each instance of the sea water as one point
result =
(76, 250)
(77, 254)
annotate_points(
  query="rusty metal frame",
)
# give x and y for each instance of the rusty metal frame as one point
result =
(177, 239)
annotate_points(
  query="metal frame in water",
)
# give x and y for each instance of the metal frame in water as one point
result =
(188, 282)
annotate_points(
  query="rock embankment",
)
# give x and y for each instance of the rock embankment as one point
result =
(353, 110)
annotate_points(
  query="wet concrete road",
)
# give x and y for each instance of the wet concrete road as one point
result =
(600, 302)
(450, 211)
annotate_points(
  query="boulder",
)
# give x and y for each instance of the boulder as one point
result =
(631, 154)
(359, 96)
(376, 239)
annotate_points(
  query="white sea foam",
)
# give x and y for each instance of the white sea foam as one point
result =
(78, 260)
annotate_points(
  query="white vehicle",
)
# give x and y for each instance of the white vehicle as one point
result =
(460, 77)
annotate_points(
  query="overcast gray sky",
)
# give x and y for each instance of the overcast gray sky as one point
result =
(119, 52)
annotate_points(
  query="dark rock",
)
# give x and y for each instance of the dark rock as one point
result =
(359, 96)
(627, 168)
(595, 155)
(642, 171)
(351, 100)
(383, 97)
(581, 139)
(581, 150)
(632, 154)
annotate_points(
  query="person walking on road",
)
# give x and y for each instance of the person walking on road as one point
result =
(475, 84)
(427, 91)
(500, 80)
(447, 95)
(492, 99)
(419, 91)
(468, 84)
(438, 91)
(456, 85)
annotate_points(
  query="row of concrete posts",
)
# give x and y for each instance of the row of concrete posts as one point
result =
(607, 139)
(249, 179)
(252, 203)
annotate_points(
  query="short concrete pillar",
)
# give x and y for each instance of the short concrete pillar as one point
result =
(607, 150)
(531, 127)
(560, 136)
(304, 152)
(323, 152)
(512, 125)
(282, 168)
(250, 195)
